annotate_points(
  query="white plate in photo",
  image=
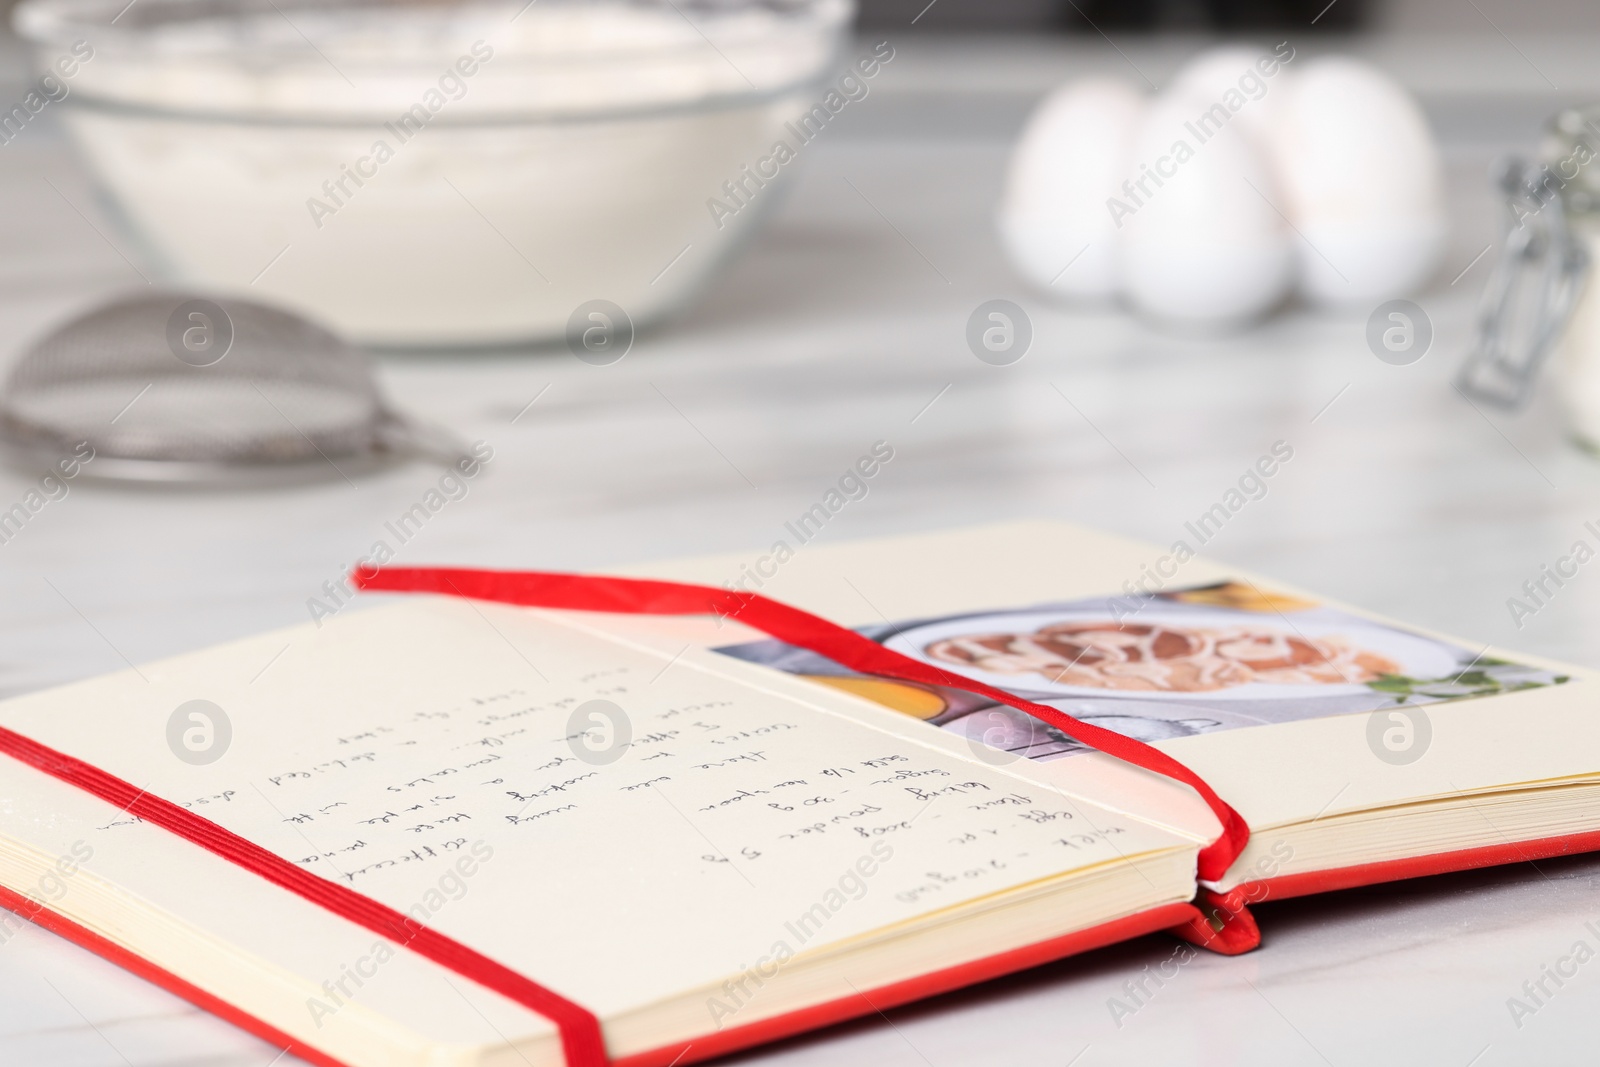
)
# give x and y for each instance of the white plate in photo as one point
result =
(1416, 656)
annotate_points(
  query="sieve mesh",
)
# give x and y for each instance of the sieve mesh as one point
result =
(177, 386)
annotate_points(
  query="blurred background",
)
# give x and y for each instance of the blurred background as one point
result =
(1187, 16)
(838, 315)
(1179, 16)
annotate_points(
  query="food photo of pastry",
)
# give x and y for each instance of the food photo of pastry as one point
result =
(1144, 656)
(1169, 665)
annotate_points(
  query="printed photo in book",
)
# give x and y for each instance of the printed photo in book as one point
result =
(1172, 664)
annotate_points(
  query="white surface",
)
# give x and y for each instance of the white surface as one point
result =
(832, 332)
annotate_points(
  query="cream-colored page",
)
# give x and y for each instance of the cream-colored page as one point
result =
(71, 852)
(1276, 774)
(620, 861)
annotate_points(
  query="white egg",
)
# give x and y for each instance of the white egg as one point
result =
(1362, 178)
(1249, 82)
(1053, 218)
(1201, 238)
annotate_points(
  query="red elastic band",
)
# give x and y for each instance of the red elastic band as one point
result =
(637, 596)
(581, 1038)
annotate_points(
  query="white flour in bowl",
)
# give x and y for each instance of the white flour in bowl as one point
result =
(445, 175)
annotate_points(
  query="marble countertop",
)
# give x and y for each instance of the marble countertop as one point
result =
(841, 326)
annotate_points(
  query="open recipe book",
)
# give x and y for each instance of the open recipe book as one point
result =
(439, 830)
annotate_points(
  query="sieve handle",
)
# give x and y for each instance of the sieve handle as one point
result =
(397, 434)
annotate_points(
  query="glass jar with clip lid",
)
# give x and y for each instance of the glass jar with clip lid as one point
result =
(1540, 299)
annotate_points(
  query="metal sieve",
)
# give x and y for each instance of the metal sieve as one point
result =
(174, 387)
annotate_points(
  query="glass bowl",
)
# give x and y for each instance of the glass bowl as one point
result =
(440, 174)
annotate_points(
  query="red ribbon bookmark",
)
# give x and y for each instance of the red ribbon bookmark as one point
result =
(638, 596)
(581, 1039)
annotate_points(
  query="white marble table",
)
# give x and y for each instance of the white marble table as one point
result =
(836, 330)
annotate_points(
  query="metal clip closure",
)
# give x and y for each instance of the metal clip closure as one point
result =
(1531, 292)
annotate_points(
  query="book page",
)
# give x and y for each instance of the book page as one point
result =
(1293, 708)
(626, 824)
(311, 972)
